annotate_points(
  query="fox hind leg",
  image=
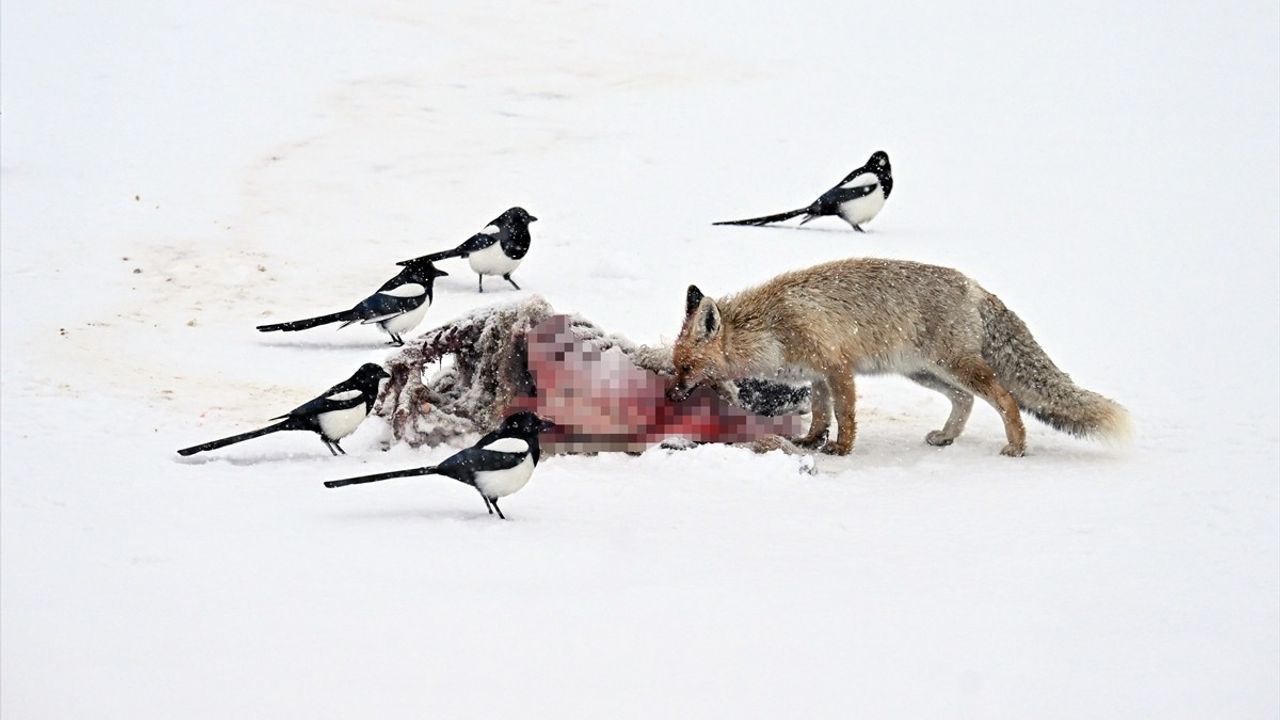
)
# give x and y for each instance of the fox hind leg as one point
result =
(974, 374)
(961, 406)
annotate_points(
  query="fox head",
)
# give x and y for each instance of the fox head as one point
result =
(699, 353)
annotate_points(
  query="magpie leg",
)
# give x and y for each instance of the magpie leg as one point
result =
(495, 507)
(335, 444)
(329, 445)
(486, 503)
(858, 228)
(507, 277)
(480, 278)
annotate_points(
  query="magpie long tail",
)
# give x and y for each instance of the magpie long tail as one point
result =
(308, 322)
(381, 476)
(214, 445)
(766, 219)
(442, 255)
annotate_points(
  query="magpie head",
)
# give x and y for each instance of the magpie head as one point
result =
(525, 424)
(879, 162)
(423, 269)
(370, 374)
(515, 216)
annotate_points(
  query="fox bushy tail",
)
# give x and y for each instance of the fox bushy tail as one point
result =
(307, 323)
(1039, 386)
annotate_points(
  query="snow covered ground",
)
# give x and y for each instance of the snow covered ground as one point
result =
(174, 174)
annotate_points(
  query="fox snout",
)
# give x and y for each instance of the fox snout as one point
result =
(679, 391)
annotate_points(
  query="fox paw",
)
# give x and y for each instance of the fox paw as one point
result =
(811, 441)
(836, 448)
(937, 438)
(1014, 450)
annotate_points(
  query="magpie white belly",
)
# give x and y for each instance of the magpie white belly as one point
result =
(338, 424)
(860, 210)
(501, 483)
(408, 321)
(492, 261)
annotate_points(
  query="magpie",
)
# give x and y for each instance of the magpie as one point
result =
(857, 199)
(397, 307)
(333, 416)
(496, 250)
(496, 466)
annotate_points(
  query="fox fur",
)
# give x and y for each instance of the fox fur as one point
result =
(932, 324)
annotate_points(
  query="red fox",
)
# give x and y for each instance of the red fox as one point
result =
(932, 324)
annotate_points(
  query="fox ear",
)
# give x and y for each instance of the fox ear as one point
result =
(692, 299)
(711, 320)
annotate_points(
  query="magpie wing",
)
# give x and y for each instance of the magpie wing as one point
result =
(478, 242)
(841, 194)
(397, 296)
(338, 397)
(465, 464)
(389, 302)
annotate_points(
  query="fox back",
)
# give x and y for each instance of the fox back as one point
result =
(877, 315)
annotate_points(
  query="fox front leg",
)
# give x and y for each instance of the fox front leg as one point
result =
(819, 415)
(843, 395)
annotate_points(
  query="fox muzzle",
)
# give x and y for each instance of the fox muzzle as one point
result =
(678, 392)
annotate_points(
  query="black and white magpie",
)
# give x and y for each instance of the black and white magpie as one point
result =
(498, 465)
(397, 307)
(857, 199)
(333, 416)
(496, 250)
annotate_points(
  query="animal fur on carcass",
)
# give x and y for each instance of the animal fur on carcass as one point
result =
(604, 392)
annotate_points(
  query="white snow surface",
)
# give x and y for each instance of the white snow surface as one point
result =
(176, 173)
